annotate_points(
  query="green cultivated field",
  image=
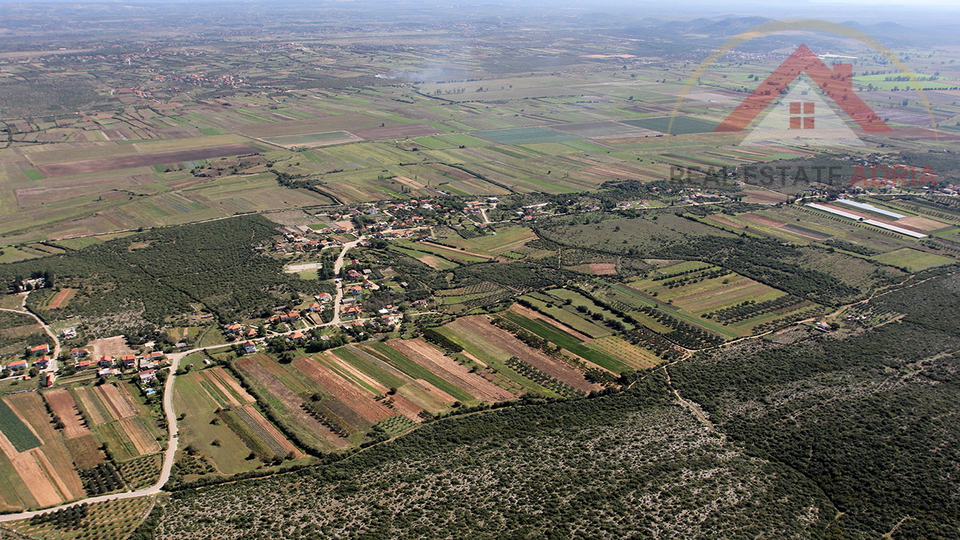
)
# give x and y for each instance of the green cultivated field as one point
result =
(682, 125)
(310, 138)
(913, 260)
(525, 135)
(15, 430)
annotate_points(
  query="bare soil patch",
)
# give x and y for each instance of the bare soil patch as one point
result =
(36, 480)
(61, 299)
(760, 220)
(358, 399)
(115, 346)
(409, 183)
(65, 407)
(921, 224)
(291, 401)
(603, 269)
(117, 400)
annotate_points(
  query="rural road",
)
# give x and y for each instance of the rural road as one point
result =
(46, 328)
(337, 266)
(170, 455)
(168, 458)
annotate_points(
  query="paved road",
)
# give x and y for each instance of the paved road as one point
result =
(337, 266)
(168, 459)
(173, 432)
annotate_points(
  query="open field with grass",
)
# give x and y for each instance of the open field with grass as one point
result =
(210, 417)
(913, 260)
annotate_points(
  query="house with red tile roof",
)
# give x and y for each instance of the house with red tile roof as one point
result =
(17, 365)
(233, 328)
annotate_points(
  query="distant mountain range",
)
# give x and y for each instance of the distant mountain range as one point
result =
(725, 26)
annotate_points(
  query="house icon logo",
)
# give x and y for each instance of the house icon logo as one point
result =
(804, 102)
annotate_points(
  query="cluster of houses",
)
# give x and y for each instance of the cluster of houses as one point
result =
(108, 366)
(20, 366)
(145, 365)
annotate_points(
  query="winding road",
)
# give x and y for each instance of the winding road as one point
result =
(46, 328)
(169, 457)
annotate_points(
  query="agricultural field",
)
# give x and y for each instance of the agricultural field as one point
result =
(222, 426)
(38, 468)
(913, 260)
(591, 316)
(495, 347)
(711, 293)
(112, 520)
(578, 344)
(681, 125)
(505, 240)
(117, 418)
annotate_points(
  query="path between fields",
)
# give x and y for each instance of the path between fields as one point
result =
(175, 358)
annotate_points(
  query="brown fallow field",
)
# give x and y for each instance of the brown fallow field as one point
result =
(140, 436)
(143, 160)
(65, 407)
(450, 370)
(290, 400)
(48, 471)
(61, 299)
(117, 400)
(498, 338)
(355, 397)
